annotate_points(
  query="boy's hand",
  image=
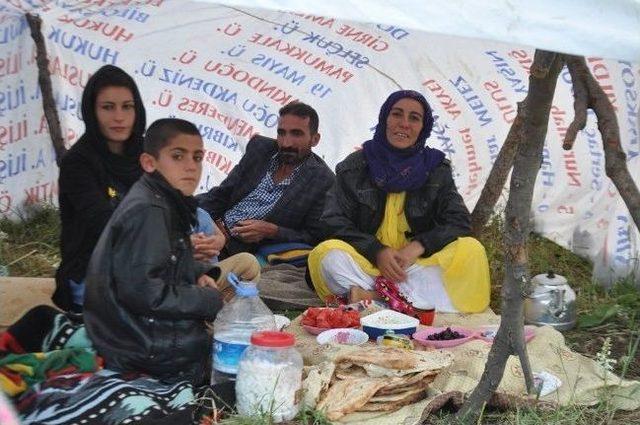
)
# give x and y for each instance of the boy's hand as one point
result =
(253, 231)
(204, 281)
(205, 247)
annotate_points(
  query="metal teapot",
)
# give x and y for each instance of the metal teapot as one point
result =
(552, 302)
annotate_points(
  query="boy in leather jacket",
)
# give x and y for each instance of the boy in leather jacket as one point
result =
(147, 299)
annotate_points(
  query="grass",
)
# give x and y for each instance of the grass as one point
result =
(29, 246)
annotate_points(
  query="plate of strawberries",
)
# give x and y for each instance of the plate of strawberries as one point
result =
(319, 319)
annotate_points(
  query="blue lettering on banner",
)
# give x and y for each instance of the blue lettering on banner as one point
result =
(395, 32)
(87, 48)
(546, 168)
(472, 100)
(446, 145)
(12, 98)
(597, 159)
(494, 149)
(178, 78)
(13, 30)
(631, 100)
(623, 241)
(129, 14)
(278, 68)
(335, 48)
(507, 72)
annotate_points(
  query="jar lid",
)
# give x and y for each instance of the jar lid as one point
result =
(272, 339)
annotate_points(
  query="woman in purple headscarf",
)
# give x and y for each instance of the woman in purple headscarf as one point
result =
(397, 218)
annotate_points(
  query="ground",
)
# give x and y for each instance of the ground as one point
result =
(29, 247)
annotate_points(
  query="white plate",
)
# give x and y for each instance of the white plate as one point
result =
(281, 321)
(345, 336)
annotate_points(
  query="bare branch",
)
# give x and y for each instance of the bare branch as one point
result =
(580, 104)
(498, 175)
(44, 81)
(542, 62)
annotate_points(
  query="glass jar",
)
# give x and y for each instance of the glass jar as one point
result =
(269, 378)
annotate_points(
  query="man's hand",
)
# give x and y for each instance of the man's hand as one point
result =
(391, 264)
(410, 253)
(204, 281)
(205, 247)
(253, 231)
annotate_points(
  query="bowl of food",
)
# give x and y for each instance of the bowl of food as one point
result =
(443, 337)
(344, 336)
(319, 319)
(377, 324)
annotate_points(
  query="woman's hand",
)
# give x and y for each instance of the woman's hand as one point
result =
(205, 247)
(410, 253)
(391, 264)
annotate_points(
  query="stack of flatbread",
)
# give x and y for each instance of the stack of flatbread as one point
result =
(372, 379)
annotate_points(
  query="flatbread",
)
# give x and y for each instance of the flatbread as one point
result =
(388, 357)
(348, 395)
(317, 382)
(393, 405)
(399, 385)
(351, 372)
(424, 360)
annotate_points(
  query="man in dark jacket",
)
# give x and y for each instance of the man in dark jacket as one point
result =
(147, 299)
(277, 191)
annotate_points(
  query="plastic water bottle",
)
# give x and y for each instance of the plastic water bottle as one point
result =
(234, 324)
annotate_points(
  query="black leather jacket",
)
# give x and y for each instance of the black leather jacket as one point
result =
(143, 310)
(355, 208)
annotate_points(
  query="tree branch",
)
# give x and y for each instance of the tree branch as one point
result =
(44, 81)
(510, 336)
(492, 188)
(614, 156)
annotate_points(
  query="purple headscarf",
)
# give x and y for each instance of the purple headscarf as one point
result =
(399, 170)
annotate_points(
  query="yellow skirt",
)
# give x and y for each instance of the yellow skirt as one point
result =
(465, 271)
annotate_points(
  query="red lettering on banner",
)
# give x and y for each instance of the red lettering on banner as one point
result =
(114, 32)
(219, 161)
(523, 59)
(472, 163)
(445, 100)
(237, 126)
(558, 115)
(46, 192)
(74, 75)
(508, 111)
(571, 165)
(372, 41)
(601, 74)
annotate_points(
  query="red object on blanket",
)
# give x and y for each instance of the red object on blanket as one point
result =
(389, 291)
(323, 317)
(9, 344)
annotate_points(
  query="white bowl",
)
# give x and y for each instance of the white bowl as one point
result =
(377, 324)
(345, 336)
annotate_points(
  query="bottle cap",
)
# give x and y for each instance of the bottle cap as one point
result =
(272, 339)
(242, 288)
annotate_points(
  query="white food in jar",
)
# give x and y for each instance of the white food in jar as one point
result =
(265, 387)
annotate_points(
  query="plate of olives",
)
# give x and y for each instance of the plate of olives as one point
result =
(443, 337)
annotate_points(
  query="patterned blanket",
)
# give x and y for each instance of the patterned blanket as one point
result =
(49, 367)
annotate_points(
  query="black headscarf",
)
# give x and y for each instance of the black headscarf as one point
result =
(126, 167)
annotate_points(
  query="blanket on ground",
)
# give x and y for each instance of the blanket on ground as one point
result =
(63, 382)
(583, 381)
